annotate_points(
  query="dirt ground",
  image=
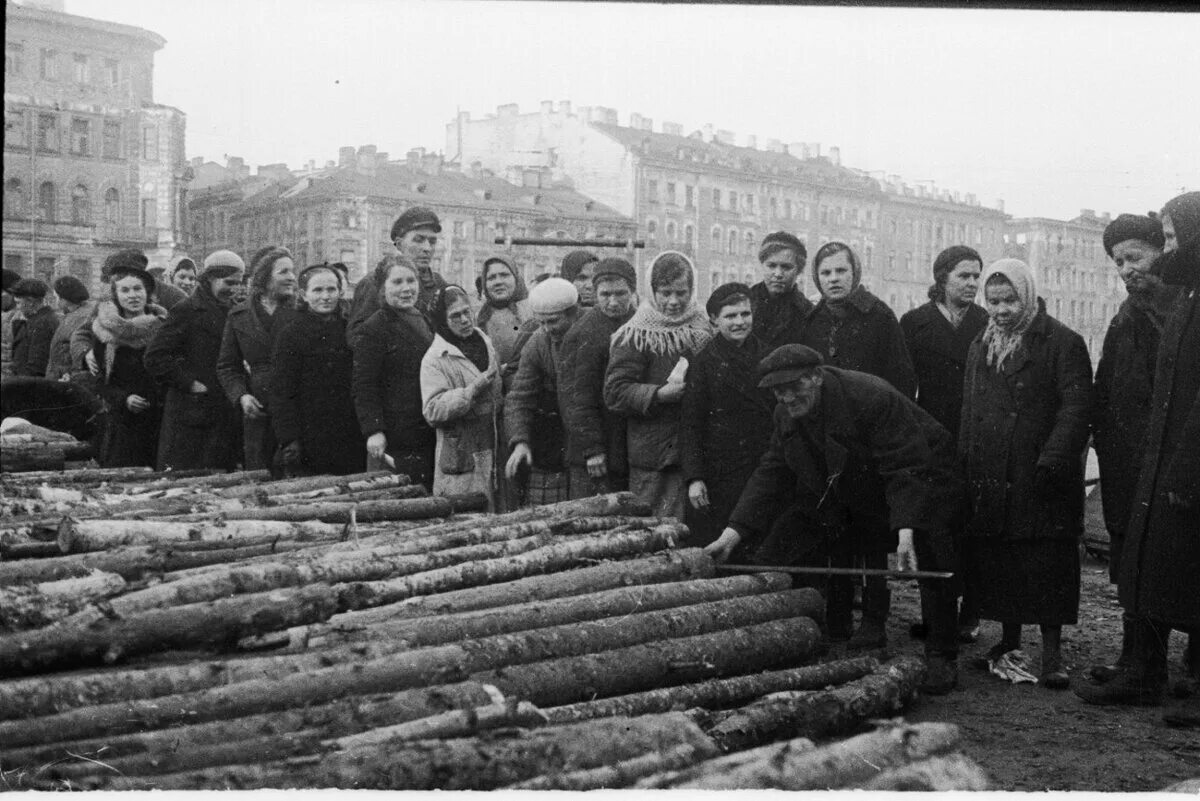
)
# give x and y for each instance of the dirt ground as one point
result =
(1029, 738)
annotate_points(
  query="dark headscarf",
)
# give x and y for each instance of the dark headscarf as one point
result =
(473, 345)
(1181, 267)
(945, 263)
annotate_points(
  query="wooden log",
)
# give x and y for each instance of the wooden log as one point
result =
(413, 508)
(560, 611)
(80, 536)
(716, 693)
(456, 723)
(290, 485)
(338, 718)
(92, 475)
(936, 774)
(480, 763)
(25, 607)
(36, 571)
(681, 565)
(266, 683)
(29, 550)
(619, 774)
(752, 758)
(847, 763)
(880, 694)
(349, 488)
(19, 458)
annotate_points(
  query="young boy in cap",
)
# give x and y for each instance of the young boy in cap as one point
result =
(578, 267)
(534, 410)
(33, 329)
(780, 308)
(77, 308)
(415, 235)
(596, 449)
(850, 455)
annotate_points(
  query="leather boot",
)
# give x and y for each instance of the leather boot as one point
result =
(1143, 682)
(1103, 673)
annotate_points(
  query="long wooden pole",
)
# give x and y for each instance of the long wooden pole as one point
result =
(838, 571)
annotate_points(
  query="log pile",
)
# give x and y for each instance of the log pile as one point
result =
(226, 631)
(25, 446)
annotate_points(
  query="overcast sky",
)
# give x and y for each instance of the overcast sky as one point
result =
(1051, 111)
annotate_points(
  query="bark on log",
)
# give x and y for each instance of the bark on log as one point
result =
(414, 508)
(480, 763)
(559, 611)
(36, 571)
(880, 694)
(939, 773)
(717, 693)
(290, 485)
(20, 458)
(91, 475)
(681, 565)
(443, 726)
(20, 551)
(42, 604)
(82, 536)
(847, 763)
(620, 774)
(389, 481)
(384, 666)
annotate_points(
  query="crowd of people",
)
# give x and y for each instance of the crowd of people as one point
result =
(781, 432)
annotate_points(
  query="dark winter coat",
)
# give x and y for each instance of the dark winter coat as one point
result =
(779, 321)
(867, 460)
(387, 384)
(31, 342)
(595, 431)
(1124, 389)
(244, 363)
(629, 386)
(725, 427)
(311, 395)
(199, 430)
(939, 356)
(61, 363)
(867, 339)
(1034, 413)
(1160, 564)
(132, 437)
(366, 302)
(534, 409)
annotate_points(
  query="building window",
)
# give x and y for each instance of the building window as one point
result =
(111, 146)
(652, 191)
(112, 206)
(14, 198)
(79, 69)
(716, 239)
(733, 241)
(112, 72)
(716, 198)
(891, 265)
(16, 131)
(47, 201)
(14, 59)
(81, 213)
(149, 213)
(47, 136)
(908, 264)
(733, 201)
(652, 230)
(15, 262)
(749, 239)
(150, 143)
(671, 193)
(787, 208)
(689, 196)
(749, 203)
(48, 65)
(672, 231)
(81, 136)
(689, 236)
(81, 269)
(774, 208)
(43, 268)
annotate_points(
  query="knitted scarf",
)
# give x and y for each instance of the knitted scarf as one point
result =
(131, 332)
(649, 329)
(1004, 342)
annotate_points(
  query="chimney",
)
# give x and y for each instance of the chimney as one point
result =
(365, 161)
(774, 146)
(330, 164)
(234, 164)
(972, 200)
(476, 169)
(413, 158)
(814, 148)
(381, 158)
(635, 121)
(835, 155)
(647, 124)
(431, 163)
(672, 128)
(547, 107)
(1087, 212)
(797, 150)
(725, 137)
(564, 107)
(752, 141)
(707, 131)
(196, 161)
(345, 157)
(585, 113)
(508, 110)
(1106, 217)
(999, 204)
(607, 115)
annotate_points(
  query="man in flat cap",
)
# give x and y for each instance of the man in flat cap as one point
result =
(200, 427)
(853, 465)
(33, 329)
(534, 410)
(780, 308)
(78, 309)
(415, 235)
(596, 449)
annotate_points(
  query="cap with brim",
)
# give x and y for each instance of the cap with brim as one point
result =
(29, 288)
(414, 218)
(786, 364)
(614, 268)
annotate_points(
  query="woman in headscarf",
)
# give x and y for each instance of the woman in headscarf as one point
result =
(646, 376)
(122, 329)
(854, 330)
(460, 396)
(1026, 407)
(312, 410)
(725, 424)
(387, 374)
(505, 311)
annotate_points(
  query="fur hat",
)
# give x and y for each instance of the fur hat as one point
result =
(1133, 226)
(31, 288)
(552, 296)
(123, 258)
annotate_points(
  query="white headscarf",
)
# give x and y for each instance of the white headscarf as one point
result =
(1003, 342)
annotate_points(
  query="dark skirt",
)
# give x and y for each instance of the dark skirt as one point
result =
(131, 440)
(1027, 581)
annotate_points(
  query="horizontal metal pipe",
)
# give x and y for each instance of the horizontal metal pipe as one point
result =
(837, 571)
(570, 243)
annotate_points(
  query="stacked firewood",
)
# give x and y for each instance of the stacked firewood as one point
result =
(352, 633)
(25, 446)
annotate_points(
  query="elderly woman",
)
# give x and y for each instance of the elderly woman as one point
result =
(387, 374)
(311, 406)
(725, 423)
(121, 329)
(646, 378)
(460, 397)
(1026, 406)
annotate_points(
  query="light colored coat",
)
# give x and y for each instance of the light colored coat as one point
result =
(464, 461)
